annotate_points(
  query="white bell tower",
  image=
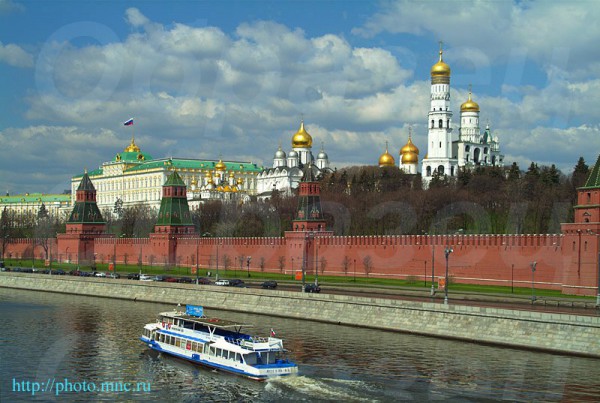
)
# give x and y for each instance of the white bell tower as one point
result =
(439, 156)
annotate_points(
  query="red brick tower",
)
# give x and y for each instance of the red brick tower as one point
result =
(581, 239)
(308, 229)
(84, 225)
(174, 220)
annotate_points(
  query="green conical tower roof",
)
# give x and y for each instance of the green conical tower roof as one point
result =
(593, 181)
(85, 210)
(174, 209)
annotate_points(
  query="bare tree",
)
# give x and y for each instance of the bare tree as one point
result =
(323, 264)
(346, 264)
(281, 263)
(368, 264)
(262, 263)
(226, 262)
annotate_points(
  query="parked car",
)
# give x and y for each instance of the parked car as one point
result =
(271, 284)
(235, 282)
(5, 269)
(159, 278)
(86, 274)
(59, 272)
(100, 274)
(145, 277)
(203, 280)
(238, 283)
(113, 275)
(169, 279)
(222, 282)
(186, 280)
(74, 273)
(133, 276)
(310, 287)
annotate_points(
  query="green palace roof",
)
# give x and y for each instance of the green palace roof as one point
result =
(180, 163)
(593, 180)
(36, 198)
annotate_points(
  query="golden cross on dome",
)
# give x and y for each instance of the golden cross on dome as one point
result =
(409, 131)
(386, 146)
(441, 50)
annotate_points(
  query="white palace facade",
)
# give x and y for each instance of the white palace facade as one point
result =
(134, 177)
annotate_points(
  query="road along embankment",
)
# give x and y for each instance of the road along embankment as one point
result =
(571, 334)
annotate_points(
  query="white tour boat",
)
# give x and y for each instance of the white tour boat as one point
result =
(217, 343)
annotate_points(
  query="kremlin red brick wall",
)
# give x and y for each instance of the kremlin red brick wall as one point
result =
(565, 262)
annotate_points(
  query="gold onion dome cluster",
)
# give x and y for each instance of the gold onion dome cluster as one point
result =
(220, 166)
(386, 159)
(409, 154)
(469, 105)
(440, 69)
(302, 139)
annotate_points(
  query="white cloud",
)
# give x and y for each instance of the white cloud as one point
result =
(198, 92)
(14, 55)
(8, 6)
(549, 32)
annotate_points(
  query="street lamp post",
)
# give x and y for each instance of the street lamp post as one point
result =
(248, 259)
(433, 269)
(354, 279)
(447, 252)
(317, 264)
(67, 253)
(197, 242)
(598, 292)
(533, 266)
(425, 275)
(512, 278)
(217, 276)
(292, 267)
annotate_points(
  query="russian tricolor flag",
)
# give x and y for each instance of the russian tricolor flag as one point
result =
(128, 123)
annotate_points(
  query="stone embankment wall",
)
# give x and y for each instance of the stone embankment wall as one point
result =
(570, 334)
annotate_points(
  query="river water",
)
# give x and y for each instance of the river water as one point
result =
(85, 348)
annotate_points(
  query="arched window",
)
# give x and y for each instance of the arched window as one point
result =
(428, 170)
(451, 171)
(476, 153)
(440, 170)
(448, 123)
(432, 123)
(440, 123)
(467, 148)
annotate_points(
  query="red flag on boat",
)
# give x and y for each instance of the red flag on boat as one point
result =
(272, 332)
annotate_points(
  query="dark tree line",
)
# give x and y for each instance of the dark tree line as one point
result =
(365, 200)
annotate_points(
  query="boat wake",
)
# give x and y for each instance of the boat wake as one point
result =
(320, 389)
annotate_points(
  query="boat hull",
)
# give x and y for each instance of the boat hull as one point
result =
(258, 374)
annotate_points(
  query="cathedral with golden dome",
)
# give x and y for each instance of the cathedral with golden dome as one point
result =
(286, 171)
(447, 152)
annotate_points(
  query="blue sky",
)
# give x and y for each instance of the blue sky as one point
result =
(232, 79)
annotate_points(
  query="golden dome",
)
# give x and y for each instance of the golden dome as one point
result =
(302, 139)
(227, 189)
(440, 69)
(409, 147)
(470, 105)
(231, 174)
(220, 166)
(240, 181)
(410, 158)
(386, 159)
(194, 181)
(208, 174)
(132, 147)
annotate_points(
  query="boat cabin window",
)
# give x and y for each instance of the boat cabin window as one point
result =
(250, 358)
